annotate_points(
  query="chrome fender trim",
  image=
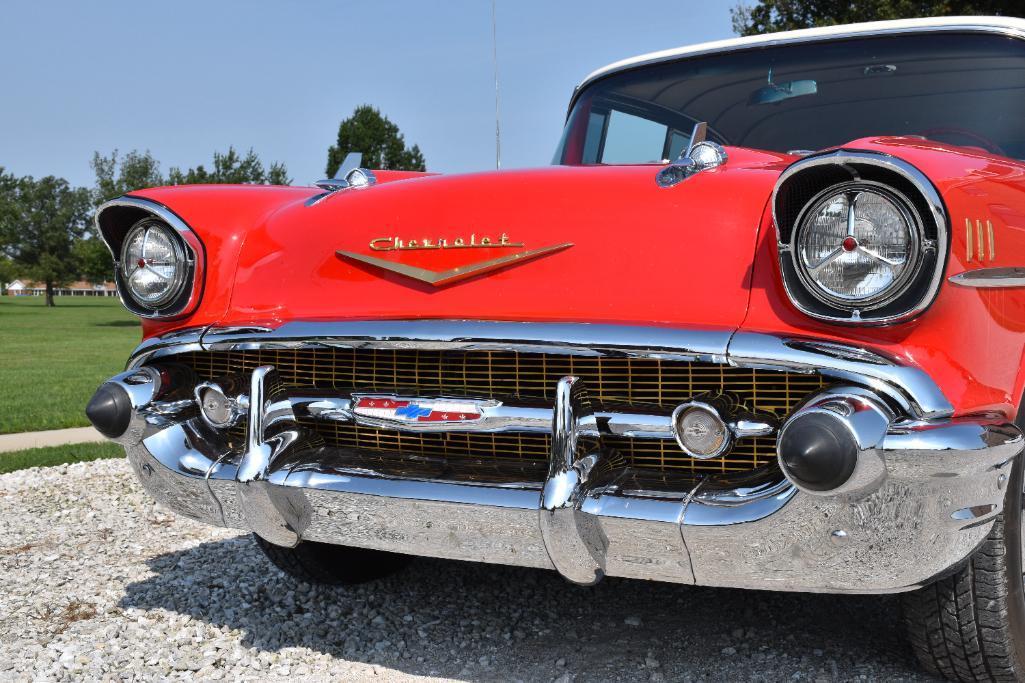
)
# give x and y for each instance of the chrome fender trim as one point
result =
(911, 388)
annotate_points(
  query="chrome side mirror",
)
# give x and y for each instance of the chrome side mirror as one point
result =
(701, 155)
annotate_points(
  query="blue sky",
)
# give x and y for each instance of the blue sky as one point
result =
(184, 78)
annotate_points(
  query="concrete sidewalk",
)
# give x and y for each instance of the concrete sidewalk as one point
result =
(54, 437)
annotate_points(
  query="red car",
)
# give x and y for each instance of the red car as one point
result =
(759, 326)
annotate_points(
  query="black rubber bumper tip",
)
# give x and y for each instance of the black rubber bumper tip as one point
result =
(818, 452)
(110, 410)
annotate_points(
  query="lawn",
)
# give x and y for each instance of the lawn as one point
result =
(58, 455)
(52, 359)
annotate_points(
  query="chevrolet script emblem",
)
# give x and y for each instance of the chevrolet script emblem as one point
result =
(439, 278)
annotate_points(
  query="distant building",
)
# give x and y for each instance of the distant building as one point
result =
(80, 288)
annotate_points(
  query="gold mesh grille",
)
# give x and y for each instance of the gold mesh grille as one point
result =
(507, 375)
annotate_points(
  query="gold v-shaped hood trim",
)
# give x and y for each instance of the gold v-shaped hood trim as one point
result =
(446, 277)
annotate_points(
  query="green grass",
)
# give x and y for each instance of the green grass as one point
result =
(58, 455)
(52, 359)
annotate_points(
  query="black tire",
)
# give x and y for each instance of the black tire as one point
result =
(971, 626)
(333, 565)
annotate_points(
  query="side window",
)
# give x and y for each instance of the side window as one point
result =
(592, 143)
(631, 139)
(678, 143)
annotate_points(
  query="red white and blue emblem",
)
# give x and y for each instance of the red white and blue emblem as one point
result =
(405, 410)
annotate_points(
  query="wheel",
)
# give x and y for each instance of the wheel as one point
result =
(329, 564)
(971, 626)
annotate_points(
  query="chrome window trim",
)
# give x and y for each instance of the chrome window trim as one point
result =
(195, 252)
(1005, 26)
(845, 158)
(910, 388)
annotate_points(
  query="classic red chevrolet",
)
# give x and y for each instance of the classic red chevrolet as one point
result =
(761, 325)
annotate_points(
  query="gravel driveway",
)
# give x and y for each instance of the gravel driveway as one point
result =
(98, 582)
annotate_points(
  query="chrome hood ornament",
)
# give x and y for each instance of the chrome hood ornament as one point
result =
(349, 175)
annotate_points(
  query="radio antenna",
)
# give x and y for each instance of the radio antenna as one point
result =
(494, 57)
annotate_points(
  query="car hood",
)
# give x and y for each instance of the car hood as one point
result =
(596, 244)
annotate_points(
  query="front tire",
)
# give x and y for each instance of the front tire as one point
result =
(971, 626)
(333, 565)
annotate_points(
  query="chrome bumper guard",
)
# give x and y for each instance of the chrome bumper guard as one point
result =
(937, 485)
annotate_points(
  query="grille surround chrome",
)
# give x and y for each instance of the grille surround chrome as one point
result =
(628, 392)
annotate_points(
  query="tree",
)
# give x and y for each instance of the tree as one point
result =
(378, 139)
(8, 272)
(767, 16)
(92, 259)
(40, 221)
(232, 168)
(117, 176)
(8, 269)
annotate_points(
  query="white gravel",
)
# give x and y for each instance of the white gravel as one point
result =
(96, 582)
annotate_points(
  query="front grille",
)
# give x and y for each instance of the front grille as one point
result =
(510, 375)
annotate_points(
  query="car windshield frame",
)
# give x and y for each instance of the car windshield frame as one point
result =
(803, 96)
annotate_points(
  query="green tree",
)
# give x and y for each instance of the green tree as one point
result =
(378, 139)
(116, 175)
(230, 167)
(40, 221)
(767, 16)
(92, 259)
(8, 272)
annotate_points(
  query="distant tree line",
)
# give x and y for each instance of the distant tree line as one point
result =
(46, 231)
(769, 16)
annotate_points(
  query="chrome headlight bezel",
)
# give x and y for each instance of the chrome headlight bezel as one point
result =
(117, 220)
(887, 295)
(805, 182)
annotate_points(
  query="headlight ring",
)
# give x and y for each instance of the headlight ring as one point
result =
(857, 245)
(154, 264)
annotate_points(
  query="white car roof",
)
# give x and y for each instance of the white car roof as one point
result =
(1006, 25)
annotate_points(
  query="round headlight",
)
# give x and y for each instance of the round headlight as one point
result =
(153, 264)
(857, 246)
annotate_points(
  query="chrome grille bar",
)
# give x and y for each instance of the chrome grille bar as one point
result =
(524, 418)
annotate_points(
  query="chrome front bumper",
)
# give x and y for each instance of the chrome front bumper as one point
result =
(930, 506)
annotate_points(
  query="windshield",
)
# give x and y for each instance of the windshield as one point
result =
(962, 89)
